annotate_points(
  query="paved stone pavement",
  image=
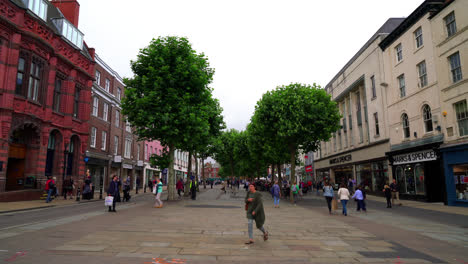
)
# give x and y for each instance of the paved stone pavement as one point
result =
(213, 229)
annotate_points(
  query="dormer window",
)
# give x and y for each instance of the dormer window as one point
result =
(70, 32)
(39, 7)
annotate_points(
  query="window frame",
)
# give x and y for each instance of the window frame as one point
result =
(461, 117)
(92, 137)
(105, 111)
(399, 53)
(119, 93)
(376, 121)
(116, 145)
(418, 37)
(402, 85)
(406, 126)
(76, 99)
(374, 91)
(107, 85)
(456, 73)
(449, 23)
(117, 118)
(98, 78)
(128, 148)
(95, 110)
(422, 76)
(427, 118)
(57, 94)
(103, 140)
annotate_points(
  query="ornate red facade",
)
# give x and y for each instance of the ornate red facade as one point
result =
(45, 94)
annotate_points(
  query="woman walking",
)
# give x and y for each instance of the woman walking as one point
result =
(113, 191)
(276, 193)
(254, 207)
(388, 195)
(159, 188)
(328, 193)
(343, 195)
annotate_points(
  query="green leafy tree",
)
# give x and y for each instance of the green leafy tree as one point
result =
(297, 116)
(168, 97)
(224, 151)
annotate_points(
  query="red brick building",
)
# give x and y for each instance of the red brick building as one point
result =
(46, 74)
(211, 170)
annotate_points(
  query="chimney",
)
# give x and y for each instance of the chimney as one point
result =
(70, 9)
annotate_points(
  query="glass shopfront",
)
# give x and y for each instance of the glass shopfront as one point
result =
(373, 176)
(342, 174)
(323, 175)
(411, 178)
(460, 175)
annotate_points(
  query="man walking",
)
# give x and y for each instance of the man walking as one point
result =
(254, 207)
(276, 193)
(159, 188)
(395, 188)
(179, 187)
(49, 188)
(113, 191)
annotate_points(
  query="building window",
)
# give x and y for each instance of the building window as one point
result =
(119, 94)
(39, 7)
(460, 172)
(20, 76)
(418, 37)
(401, 84)
(376, 119)
(98, 78)
(138, 152)
(146, 152)
(35, 75)
(450, 24)
(461, 111)
(116, 145)
(399, 53)
(92, 142)
(104, 138)
(105, 111)
(455, 67)
(128, 147)
(117, 118)
(70, 32)
(57, 90)
(405, 124)
(374, 92)
(76, 103)
(422, 73)
(128, 128)
(95, 106)
(427, 117)
(107, 86)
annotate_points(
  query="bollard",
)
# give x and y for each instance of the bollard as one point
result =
(78, 193)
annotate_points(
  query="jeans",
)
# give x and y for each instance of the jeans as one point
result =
(361, 205)
(49, 194)
(276, 200)
(343, 203)
(329, 199)
(158, 201)
(251, 228)
(295, 197)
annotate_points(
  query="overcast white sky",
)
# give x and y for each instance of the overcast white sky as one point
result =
(253, 45)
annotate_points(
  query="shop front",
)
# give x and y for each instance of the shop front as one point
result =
(418, 172)
(455, 166)
(368, 166)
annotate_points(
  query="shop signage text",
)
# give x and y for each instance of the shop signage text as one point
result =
(309, 168)
(414, 157)
(341, 159)
(127, 166)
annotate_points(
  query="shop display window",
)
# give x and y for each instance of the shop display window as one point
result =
(411, 179)
(373, 176)
(460, 174)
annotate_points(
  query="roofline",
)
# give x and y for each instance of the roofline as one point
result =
(428, 6)
(108, 68)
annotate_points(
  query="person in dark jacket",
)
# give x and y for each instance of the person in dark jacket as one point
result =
(255, 212)
(388, 195)
(193, 189)
(113, 191)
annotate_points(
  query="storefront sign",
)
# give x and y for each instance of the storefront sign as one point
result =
(309, 168)
(414, 157)
(117, 158)
(140, 163)
(341, 159)
(127, 166)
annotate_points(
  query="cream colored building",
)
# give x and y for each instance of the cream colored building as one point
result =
(358, 149)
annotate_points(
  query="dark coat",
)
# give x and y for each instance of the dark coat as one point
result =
(255, 206)
(113, 189)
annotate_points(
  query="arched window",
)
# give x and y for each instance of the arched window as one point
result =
(405, 124)
(427, 117)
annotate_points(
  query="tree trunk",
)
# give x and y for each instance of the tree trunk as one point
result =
(292, 151)
(171, 177)
(280, 179)
(187, 183)
(202, 172)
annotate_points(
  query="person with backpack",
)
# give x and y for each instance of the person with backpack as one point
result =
(295, 192)
(328, 194)
(49, 188)
(276, 193)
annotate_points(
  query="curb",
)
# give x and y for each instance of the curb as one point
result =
(26, 209)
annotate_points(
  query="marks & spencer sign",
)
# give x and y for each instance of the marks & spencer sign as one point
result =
(420, 156)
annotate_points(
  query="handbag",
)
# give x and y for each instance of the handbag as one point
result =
(109, 201)
(334, 204)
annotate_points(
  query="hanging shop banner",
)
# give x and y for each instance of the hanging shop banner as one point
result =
(420, 156)
(309, 168)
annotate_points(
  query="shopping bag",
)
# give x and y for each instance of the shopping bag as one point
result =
(109, 200)
(154, 190)
(334, 204)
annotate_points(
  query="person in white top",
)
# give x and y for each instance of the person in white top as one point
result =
(343, 195)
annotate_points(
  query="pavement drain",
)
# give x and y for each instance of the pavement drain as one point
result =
(213, 206)
(400, 251)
